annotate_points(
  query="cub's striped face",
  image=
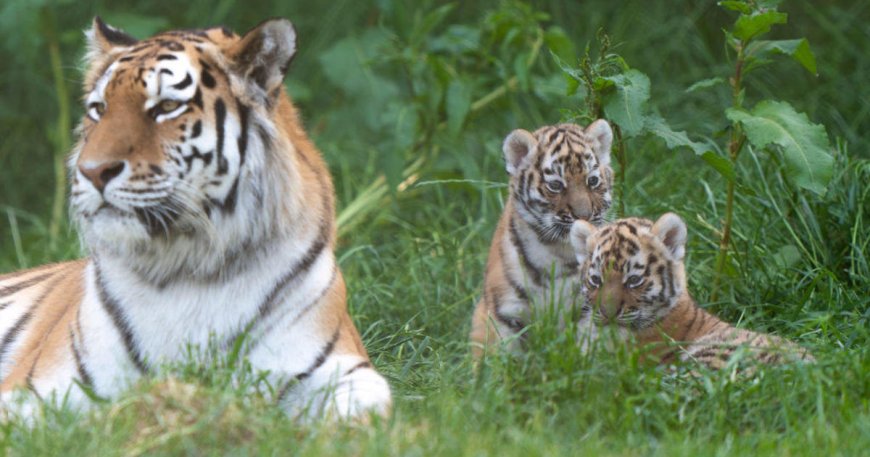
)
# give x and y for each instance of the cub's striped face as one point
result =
(632, 269)
(166, 137)
(560, 174)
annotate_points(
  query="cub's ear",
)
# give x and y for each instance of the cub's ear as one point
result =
(262, 55)
(580, 233)
(517, 146)
(102, 38)
(601, 132)
(671, 230)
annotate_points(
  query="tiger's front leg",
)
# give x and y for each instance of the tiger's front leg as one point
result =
(319, 365)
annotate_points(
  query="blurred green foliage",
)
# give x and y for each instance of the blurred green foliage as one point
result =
(383, 82)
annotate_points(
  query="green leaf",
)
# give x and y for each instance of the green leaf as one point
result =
(738, 6)
(558, 42)
(804, 145)
(722, 165)
(705, 83)
(798, 49)
(626, 106)
(656, 125)
(458, 104)
(750, 26)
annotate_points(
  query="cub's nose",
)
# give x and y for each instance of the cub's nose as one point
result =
(100, 174)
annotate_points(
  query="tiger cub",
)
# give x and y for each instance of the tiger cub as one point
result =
(209, 218)
(558, 174)
(633, 276)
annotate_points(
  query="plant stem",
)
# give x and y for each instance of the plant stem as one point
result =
(62, 136)
(620, 174)
(735, 144)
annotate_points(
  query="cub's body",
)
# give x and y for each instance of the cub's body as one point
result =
(559, 174)
(634, 277)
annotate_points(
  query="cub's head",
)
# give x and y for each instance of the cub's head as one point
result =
(560, 174)
(177, 134)
(632, 269)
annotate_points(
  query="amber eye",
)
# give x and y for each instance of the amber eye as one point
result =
(594, 281)
(633, 281)
(555, 186)
(593, 182)
(96, 110)
(167, 106)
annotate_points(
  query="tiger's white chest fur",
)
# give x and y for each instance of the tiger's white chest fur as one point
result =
(163, 323)
(546, 274)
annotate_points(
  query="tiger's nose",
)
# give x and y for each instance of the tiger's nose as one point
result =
(101, 173)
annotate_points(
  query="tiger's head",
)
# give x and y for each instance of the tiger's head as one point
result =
(560, 174)
(632, 269)
(176, 158)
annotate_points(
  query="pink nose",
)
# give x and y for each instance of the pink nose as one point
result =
(100, 174)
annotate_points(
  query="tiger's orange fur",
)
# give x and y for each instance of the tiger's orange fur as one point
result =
(208, 214)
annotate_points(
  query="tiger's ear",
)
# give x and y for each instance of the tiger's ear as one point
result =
(580, 232)
(601, 132)
(517, 146)
(263, 54)
(103, 38)
(671, 230)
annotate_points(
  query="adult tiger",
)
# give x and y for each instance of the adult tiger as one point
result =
(208, 215)
(634, 276)
(558, 174)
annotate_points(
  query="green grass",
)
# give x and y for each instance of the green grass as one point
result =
(414, 258)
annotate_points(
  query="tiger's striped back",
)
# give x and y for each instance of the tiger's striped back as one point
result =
(558, 174)
(633, 276)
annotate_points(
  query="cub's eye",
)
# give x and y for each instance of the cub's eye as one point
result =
(593, 182)
(594, 281)
(555, 186)
(633, 281)
(167, 106)
(96, 110)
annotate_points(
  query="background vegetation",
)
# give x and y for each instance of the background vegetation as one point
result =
(409, 102)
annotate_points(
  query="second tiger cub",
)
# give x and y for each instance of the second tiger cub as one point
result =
(634, 277)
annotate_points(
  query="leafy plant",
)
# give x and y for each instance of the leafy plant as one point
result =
(615, 91)
(770, 125)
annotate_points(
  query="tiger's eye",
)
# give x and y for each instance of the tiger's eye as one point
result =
(167, 106)
(633, 281)
(96, 110)
(594, 281)
(555, 186)
(593, 181)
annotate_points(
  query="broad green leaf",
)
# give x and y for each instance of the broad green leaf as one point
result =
(458, 104)
(656, 125)
(558, 42)
(738, 6)
(720, 164)
(626, 106)
(798, 49)
(567, 69)
(705, 83)
(752, 25)
(804, 145)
